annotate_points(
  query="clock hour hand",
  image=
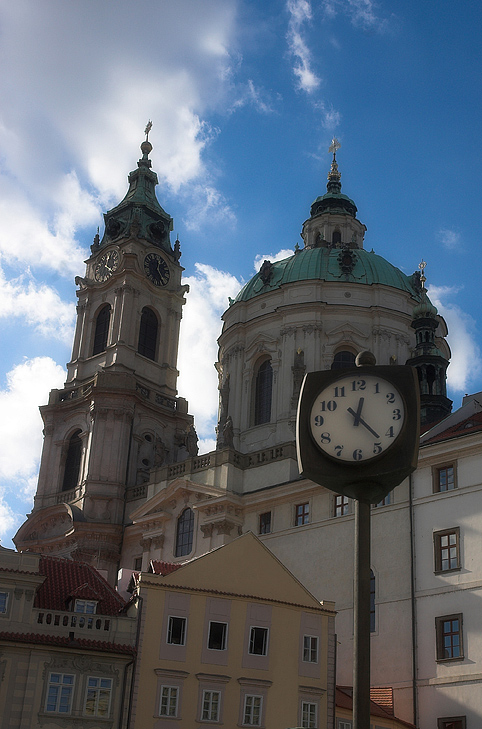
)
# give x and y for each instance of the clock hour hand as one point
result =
(359, 419)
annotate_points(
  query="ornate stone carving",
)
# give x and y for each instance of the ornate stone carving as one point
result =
(224, 527)
(207, 530)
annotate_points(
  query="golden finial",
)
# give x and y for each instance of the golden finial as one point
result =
(421, 266)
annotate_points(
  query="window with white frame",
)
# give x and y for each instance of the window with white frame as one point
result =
(60, 690)
(98, 696)
(211, 705)
(217, 636)
(3, 602)
(168, 701)
(344, 724)
(308, 715)
(310, 649)
(176, 630)
(252, 710)
(258, 641)
(88, 607)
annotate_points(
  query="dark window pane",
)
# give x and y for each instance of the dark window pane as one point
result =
(177, 631)
(342, 360)
(72, 462)
(185, 532)
(148, 334)
(264, 387)
(101, 330)
(265, 523)
(217, 636)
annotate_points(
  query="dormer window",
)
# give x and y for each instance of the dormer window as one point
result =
(89, 607)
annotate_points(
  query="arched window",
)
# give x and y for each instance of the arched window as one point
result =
(342, 360)
(336, 237)
(148, 334)
(101, 330)
(72, 462)
(263, 392)
(372, 602)
(185, 532)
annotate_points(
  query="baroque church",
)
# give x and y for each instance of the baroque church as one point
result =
(122, 484)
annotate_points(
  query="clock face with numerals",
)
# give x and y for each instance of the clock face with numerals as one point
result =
(106, 266)
(156, 269)
(357, 418)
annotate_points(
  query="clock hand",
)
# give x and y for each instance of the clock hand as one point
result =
(363, 422)
(359, 419)
(357, 414)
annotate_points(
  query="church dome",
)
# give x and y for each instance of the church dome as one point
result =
(335, 265)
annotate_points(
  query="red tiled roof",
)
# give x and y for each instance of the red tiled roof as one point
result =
(61, 640)
(344, 700)
(383, 696)
(67, 580)
(472, 424)
(164, 568)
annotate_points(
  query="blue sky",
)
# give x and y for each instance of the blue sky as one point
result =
(245, 97)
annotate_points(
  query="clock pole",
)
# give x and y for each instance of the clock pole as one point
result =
(361, 618)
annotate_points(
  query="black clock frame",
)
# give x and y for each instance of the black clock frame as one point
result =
(371, 480)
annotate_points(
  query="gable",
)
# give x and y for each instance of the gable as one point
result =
(243, 567)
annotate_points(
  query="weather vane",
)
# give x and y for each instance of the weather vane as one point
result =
(334, 146)
(148, 129)
(421, 266)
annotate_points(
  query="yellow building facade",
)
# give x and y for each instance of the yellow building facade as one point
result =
(233, 639)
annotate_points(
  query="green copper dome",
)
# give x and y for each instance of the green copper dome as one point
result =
(350, 266)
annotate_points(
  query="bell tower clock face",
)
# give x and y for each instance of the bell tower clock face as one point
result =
(357, 418)
(156, 269)
(106, 266)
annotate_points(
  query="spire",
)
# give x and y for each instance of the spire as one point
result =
(428, 359)
(334, 176)
(333, 201)
(140, 213)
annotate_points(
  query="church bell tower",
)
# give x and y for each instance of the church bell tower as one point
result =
(118, 415)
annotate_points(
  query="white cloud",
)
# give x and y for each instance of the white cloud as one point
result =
(300, 13)
(450, 239)
(249, 94)
(28, 385)
(362, 13)
(464, 366)
(280, 256)
(154, 65)
(8, 519)
(36, 305)
(200, 328)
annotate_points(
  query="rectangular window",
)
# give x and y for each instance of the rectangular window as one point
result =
(308, 715)
(98, 695)
(444, 478)
(59, 693)
(452, 722)
(302, 514)
(344, 724)
(211, 703)
(85, 606)
(310, 649)
(258, 641)
(385, 501)
(252, 710)
(265, 523)
(168, 702)
(3, 601)
(447, 550)
(217, 636)
(176, 631)
(138, 564)
(449, 637)
(341, 505)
